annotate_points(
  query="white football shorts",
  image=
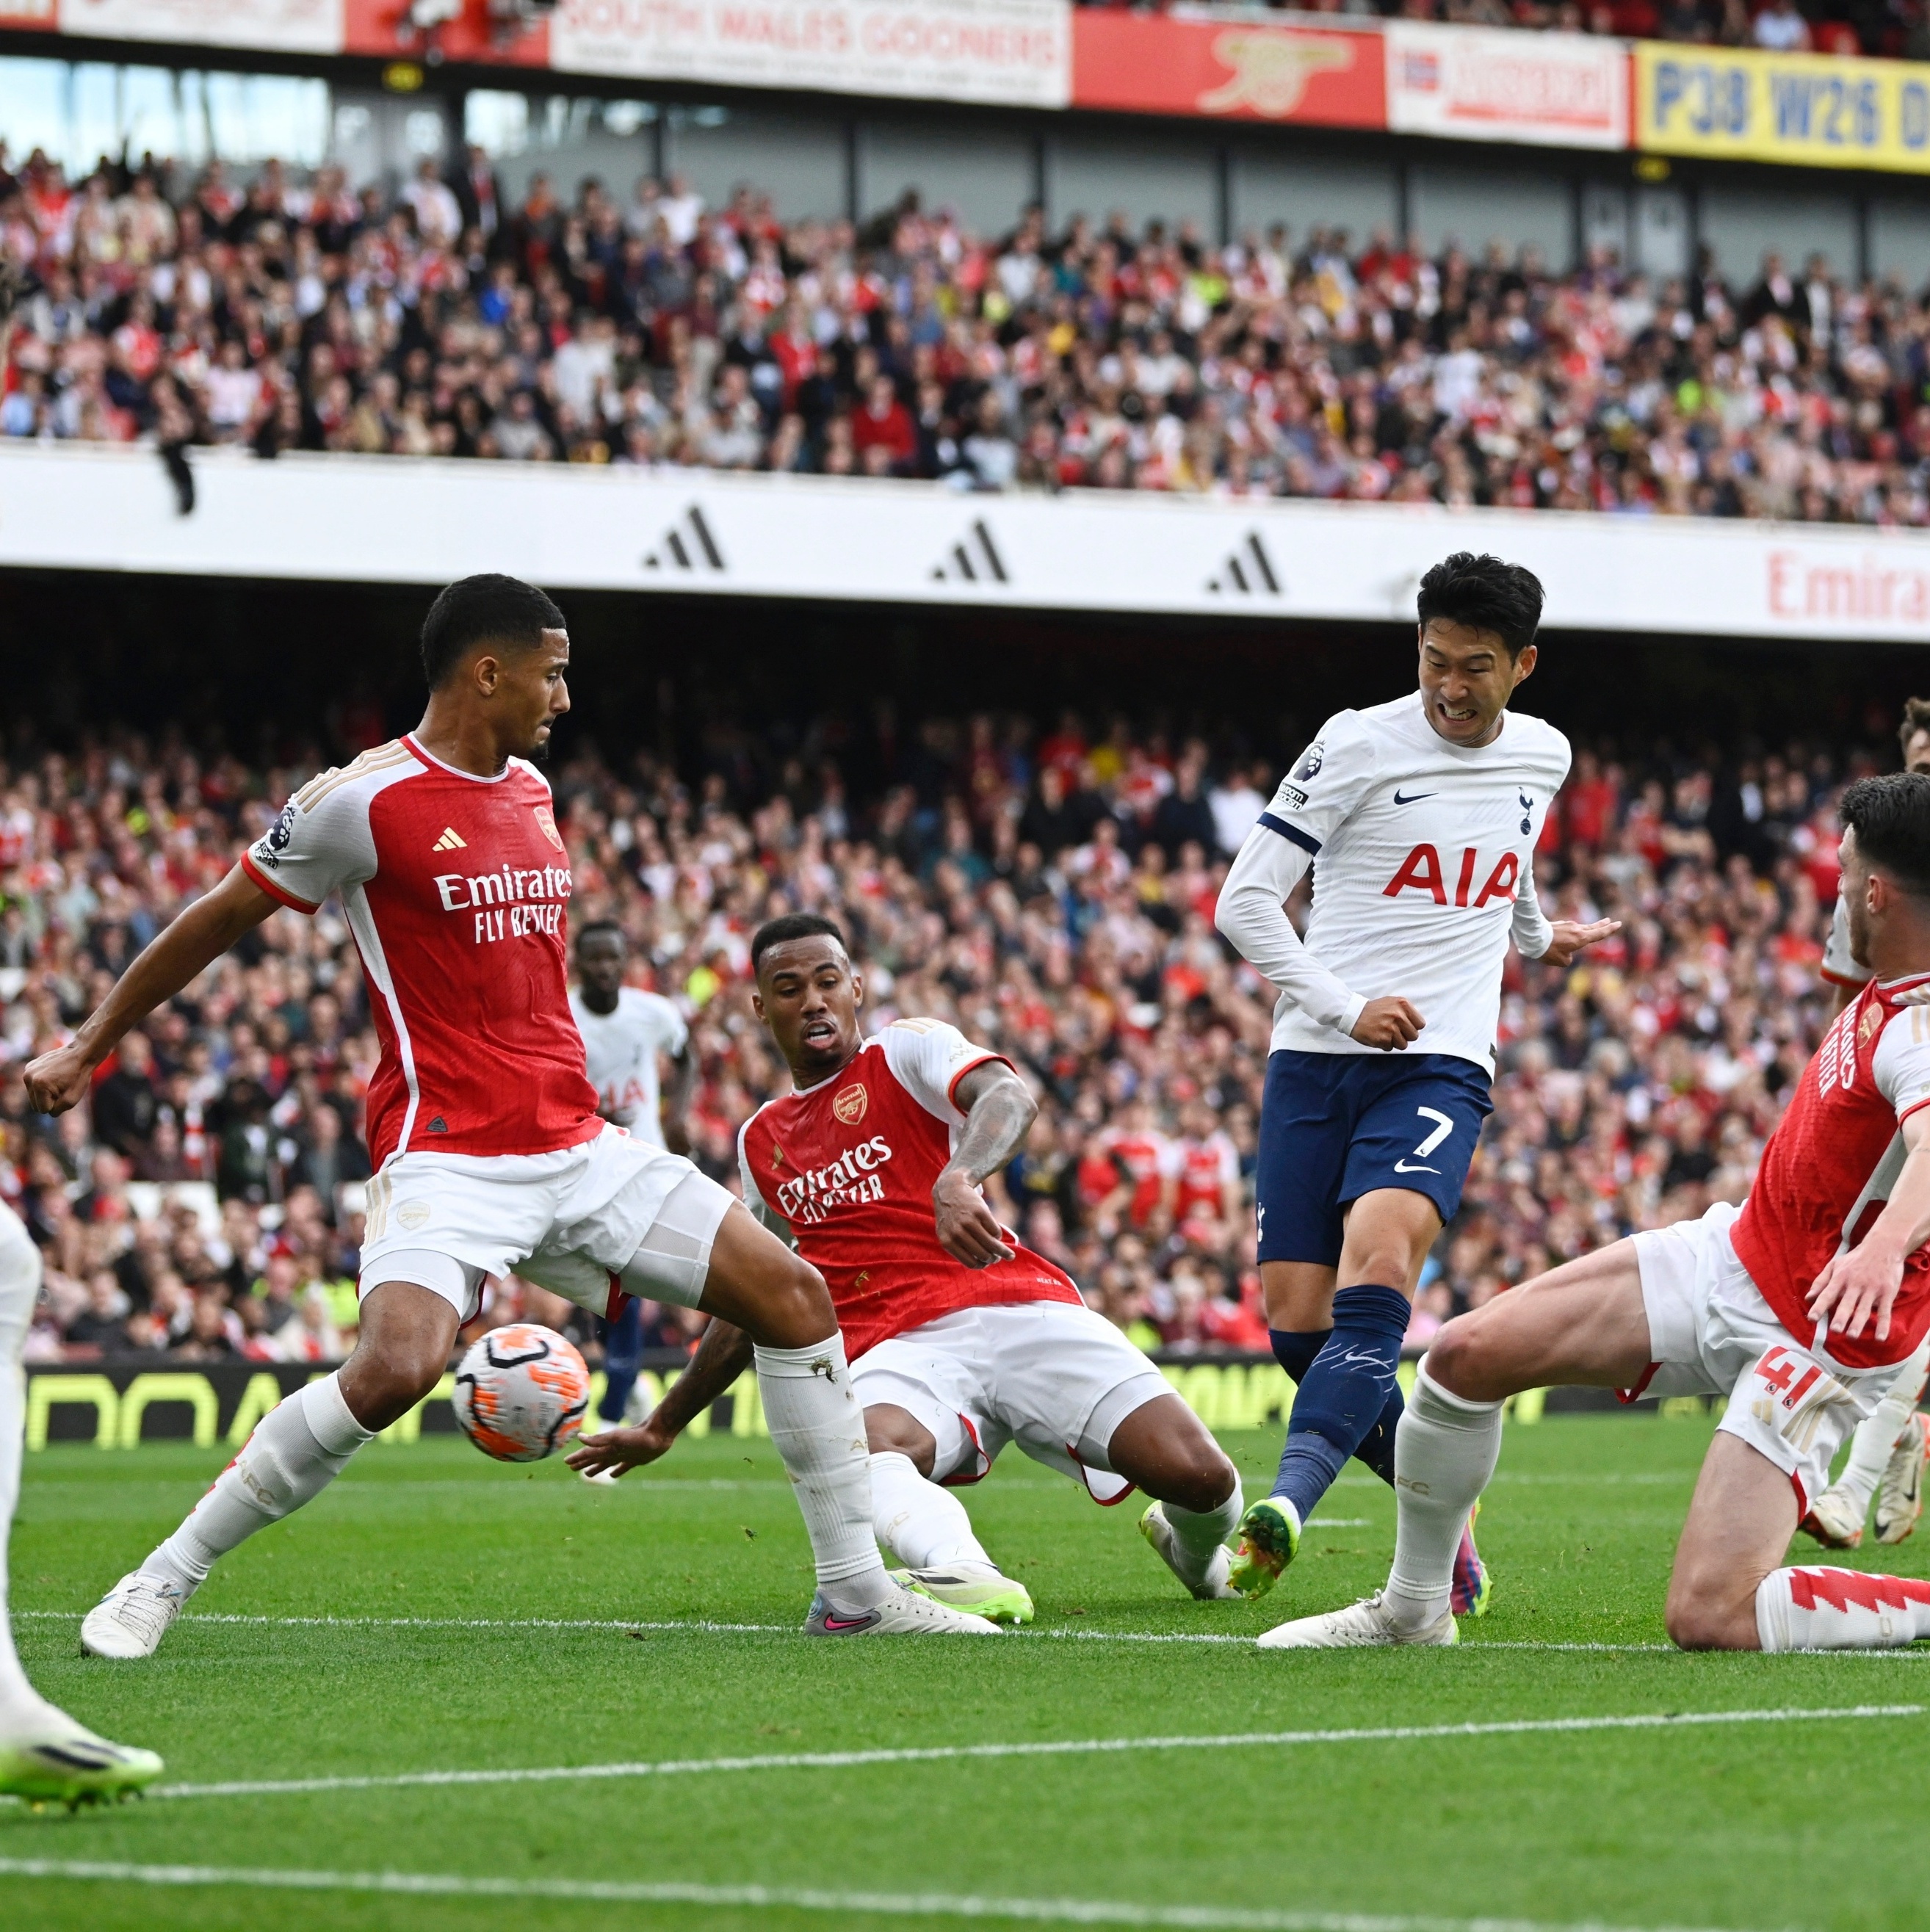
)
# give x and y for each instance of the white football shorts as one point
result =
(1055, 1379)
(568, 1220)
(1710, 1332)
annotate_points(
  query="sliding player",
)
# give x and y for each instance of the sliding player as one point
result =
(1798, 1309)
(961, 1340)
(43, 1753)
(1418, 819)
(489, 1152)
(1888, 1450)
(625, 1032)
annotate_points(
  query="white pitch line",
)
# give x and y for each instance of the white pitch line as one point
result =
(1053, 1748)
(697, 1627)
(909, 1906)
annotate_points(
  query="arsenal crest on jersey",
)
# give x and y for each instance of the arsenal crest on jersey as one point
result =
(849, 1104)
(546, 821)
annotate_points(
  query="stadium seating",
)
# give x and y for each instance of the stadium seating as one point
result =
(1051, 894)
(646, 329)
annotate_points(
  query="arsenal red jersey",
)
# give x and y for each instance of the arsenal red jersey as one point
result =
(457, 890)
(844, 1171)
(1830, 1164)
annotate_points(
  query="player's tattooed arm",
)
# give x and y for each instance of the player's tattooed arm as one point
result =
(722, 1357)
(1861, 1283)
(173, 958)
(999, 1112)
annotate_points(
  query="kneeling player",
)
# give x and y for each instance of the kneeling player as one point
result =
(961, 1340)
(1798, 1309)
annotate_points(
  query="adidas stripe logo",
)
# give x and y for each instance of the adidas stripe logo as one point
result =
(452, 841)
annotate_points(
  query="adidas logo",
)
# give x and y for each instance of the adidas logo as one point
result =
(452, 841)
(975, 556)
(687, 544)
(1249, 570)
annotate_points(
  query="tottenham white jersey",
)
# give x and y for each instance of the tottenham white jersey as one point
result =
(621, 1050)
(1423, 856)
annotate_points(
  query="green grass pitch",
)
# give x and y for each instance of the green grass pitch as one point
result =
(1811, 1822)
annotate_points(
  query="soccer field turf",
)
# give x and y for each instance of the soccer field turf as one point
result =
(434, 1612)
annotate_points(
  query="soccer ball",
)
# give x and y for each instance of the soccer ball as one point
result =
(521, 1392)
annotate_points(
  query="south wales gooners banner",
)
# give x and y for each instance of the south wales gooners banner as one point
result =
(1812, 110)
(1013, 53)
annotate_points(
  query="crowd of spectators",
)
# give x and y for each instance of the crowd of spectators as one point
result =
(1049, 888)
(1897, 28)
(654, 330)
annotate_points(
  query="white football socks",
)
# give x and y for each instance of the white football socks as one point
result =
(20, 1289)
(817, 1429)
(923, 1525)
(1445, 1452)
(1817, 1609)
(1876, 1436)
(1200, 1532)
(298, 1449)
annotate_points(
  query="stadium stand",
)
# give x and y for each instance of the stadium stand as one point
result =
(1894, 27)
(652, 330)
(1050, 891)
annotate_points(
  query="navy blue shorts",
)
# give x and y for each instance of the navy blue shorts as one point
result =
(1336, 1126)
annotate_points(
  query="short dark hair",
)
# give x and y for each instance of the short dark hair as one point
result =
(1916, 719)
(792, 925)
(1485, 594)
(1890, 816)
(590, 928)
(489, 609)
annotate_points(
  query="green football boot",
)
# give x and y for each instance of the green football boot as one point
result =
(53, 1760)
(1269, 1540)
(977, 1588)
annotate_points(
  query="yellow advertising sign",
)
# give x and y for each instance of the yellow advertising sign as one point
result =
(1811, 110)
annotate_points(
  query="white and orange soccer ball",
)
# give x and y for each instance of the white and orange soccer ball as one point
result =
(521, 1392)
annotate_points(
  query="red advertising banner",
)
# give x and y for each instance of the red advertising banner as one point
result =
(1156, 64)
(381, 27)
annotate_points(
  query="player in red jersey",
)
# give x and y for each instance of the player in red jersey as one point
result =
(489, 1152)
(961, 1340)
(1797, 1310)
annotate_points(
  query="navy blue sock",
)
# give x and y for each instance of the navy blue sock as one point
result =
(1293, 1349)
(1345, 1398)
(623, 1360)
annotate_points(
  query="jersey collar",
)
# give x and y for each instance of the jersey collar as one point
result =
(428, 757)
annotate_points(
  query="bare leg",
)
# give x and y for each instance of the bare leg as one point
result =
(1739, 1524)
(1163, 1448)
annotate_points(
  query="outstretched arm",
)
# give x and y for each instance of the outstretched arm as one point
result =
(1556, 942)
(999, 1112)
(722, 1357)
(676, 1102)
(205, 930)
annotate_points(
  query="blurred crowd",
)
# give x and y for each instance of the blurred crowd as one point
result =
(1048, 886)
(1899, 28)
(646, 328)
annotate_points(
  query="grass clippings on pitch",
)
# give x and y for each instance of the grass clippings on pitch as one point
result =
(435, 1615)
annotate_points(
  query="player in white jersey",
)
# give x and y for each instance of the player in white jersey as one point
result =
(625, 1031)
(1888, 1451)
(1419, 819)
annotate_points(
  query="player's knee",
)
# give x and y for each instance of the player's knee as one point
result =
(1456, 1358)
(1204, 1480)
(380, 1389)
(797, 1305)
(1693, 1623)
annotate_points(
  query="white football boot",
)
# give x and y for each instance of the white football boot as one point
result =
(1900, 1488)
(46, 1757)
(903, 1613)
(1368, 1625)
(1835, 1519)
(131, 1619)
(1209, 1584)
